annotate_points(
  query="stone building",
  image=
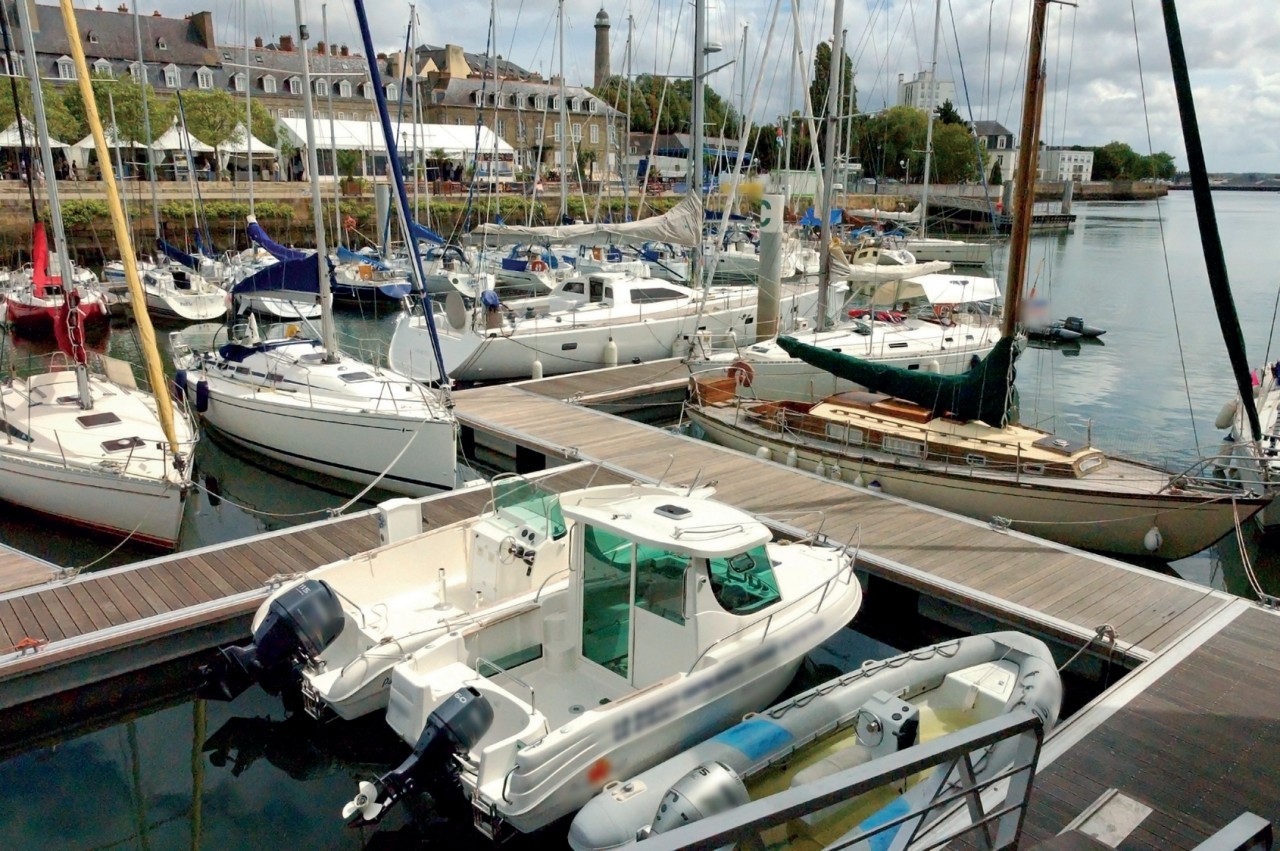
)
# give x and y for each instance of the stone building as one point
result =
(925, 91)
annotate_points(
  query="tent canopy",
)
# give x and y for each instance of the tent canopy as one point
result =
(178, 139)
(939, 289)
(10, 138)
(455, 140)
(241, 142)
(113, 141)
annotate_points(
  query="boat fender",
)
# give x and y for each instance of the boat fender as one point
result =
(202, 396)
(179, 385)
(742, 372)
(793, 457)
(1153, 540)
(1227, 415)
(611, 353)
(709, 789)
(536, 372)
(454, 728)
(764, 453)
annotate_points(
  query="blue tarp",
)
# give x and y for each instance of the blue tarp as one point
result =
(424, 234)
(346, 255)
(811, 220)
(175, 253)
(299, 276)
(275, 249)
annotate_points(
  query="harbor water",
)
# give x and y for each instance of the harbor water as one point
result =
(184, 774)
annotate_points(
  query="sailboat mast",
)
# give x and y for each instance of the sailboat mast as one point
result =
(1024, 189)
(624, 144)
(11, 61)
(1214, 261)
(146, 121)
(328, 333)
(248, 104)
(564, 123)
(115, 140)
(338, 234)
(124, 241)
(829, 123)
(928, 133)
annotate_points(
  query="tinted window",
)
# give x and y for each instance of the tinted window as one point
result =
(355, 376)
(660, 582)
(574, 287)
(744, 583)
(606, 599)
(642, 295)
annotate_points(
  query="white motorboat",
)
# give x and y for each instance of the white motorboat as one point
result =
(87, 448)
(173, 291)
(487, 567)
(957, 252)
(870, 712)
(290, 398)
(584, 324)
(678, 617)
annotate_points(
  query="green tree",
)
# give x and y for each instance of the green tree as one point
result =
(665, 103)
(955, 156)
(126, 95)
(997, 177)
(892, 142)
(821, 82)
(263, 126)
(947, 114)
(63, 125)
(212, 117)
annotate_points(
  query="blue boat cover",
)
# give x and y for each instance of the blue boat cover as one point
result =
(299, 276)
(177, 254)
(275, 249)
(425, 234)
(346, 255)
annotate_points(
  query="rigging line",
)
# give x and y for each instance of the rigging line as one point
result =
(1164, 245)
(1004, 58)
(1071, 58)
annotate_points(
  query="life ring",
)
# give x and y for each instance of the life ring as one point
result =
(742, 372)
(943, 312)
(537, 266)
(349, 223)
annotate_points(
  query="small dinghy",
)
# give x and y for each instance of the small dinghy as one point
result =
(878, 709)
(679, 616)
(337, 631)
(1064, 330)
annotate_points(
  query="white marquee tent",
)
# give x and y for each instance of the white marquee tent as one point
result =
(458, 142)
(10, 138)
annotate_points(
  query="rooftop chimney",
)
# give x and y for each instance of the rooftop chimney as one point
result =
(333, 50)
(343, 51)
(203, 23)
(257, 42)
(123, 9)
(320, 48)
(455, 62)
(286, 43)
(156, 14)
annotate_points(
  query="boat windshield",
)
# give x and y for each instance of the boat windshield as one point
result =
(530, 504)
(744, 583)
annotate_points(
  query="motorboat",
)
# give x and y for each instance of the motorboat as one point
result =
(1013, 476)
(680, 615)
(957, 252)
(487, 567)
(585, 323)
(873, 711)
(1063, 330)
(173, 291)
(286, 395)
(86, 447)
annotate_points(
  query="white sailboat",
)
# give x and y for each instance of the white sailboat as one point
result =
(91, 448)
(302, 401)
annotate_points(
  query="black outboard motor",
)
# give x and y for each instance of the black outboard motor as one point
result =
(454, 728)
(299, 625)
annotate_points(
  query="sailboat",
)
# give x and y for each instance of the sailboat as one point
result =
(297, 398)
(954, 441)
(91, 448)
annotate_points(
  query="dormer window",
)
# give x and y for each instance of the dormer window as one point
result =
(137, 71)
(92, 37)
(239, 81)
(573, 104)
(322, 87)
(171, 76)
(295, 86)
(393, 91)
(102, 68)
(269, 84)
(204, 78)
(161, 44)
(344, 88)
(593, 105)
(66, 68)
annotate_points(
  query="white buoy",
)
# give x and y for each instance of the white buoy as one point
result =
(875, 486)
(820, 468)
(933, 366)
(764, 454)
(611, 353)
(835, 471)
(859, 482)
(1153, 540)
(793, 457)
(536, 371)
(1227, 416)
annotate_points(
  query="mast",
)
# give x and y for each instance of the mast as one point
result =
(624, 144)
(1024, 189)
(829, 123)
(248, 104)
(146, 122)
(115, 140)
(339, 236)
(124, 241)
(328, 333)
(11, 57)
(928, 133)
(1207, 219)
(697, 116)
(564, 124)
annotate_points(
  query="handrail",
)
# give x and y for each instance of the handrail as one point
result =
(481, 662)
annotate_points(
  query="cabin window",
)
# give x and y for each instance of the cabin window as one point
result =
(97, 420)
(13, 431)
(900, 446)
(974, 460)
(1033, 469)
(350, 377)
(606, 599)
(575, 287)
(744, 583)
(646, 295)
(596, 291)
(660, 582)
(534, 506)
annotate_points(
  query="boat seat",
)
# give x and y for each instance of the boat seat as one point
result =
(850, 757)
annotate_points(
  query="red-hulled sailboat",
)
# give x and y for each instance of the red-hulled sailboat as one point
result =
(34, 304)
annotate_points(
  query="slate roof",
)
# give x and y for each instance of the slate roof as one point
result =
(990, 128)
(477, 61)
(460, 92)
(114, 36)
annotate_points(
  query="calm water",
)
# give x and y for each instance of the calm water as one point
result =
(242, 775)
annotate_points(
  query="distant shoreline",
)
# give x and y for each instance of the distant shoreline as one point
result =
(1185, 186)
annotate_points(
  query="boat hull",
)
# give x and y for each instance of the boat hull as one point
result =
(950, 251)
(36, 321)
(1100, 521)
(196, 307)
(355, 446)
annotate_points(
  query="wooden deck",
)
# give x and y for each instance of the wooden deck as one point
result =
(185, 602)
(607, 385)
(1015, 578)
(19, 570)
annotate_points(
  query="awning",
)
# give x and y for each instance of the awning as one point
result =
(178, 139)
(11, 139)
(457, 141)
(939, 289)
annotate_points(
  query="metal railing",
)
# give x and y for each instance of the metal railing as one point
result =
(482, 664)
(952, 782)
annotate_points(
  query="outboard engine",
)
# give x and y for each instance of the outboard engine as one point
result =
(454, 728)
(708, 790)
(299, 625)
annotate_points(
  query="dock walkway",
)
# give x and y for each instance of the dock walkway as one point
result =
(19, 570)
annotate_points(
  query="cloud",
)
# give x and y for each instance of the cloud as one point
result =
(1094, 93)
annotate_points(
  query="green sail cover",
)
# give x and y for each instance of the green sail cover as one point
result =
(985, 392)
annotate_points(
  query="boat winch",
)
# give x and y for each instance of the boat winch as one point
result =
(453, 728)
(709, 789)
(299, 625)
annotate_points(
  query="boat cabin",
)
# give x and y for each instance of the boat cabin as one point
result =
(615, 289)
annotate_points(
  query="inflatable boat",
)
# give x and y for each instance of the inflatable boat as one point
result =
(882, 707)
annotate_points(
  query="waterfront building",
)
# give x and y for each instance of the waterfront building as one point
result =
(925, 91)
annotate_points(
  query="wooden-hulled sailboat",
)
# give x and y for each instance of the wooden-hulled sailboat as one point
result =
(90, 448)
(954, 442)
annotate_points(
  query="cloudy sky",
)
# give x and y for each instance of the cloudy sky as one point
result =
(1095, 89)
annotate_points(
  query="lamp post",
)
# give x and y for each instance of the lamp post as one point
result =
(906, 165)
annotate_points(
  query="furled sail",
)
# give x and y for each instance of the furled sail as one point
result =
(986, 392)
(681, 225)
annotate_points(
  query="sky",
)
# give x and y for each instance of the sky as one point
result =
(1096, 93)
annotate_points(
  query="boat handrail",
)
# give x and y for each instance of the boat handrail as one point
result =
(767, 620)
(708, 531)
(482, 662)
